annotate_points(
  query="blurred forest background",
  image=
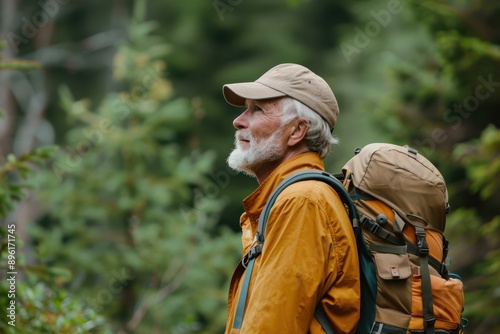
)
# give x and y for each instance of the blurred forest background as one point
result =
(114, 135)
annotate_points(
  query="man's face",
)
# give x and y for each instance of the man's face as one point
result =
(259, 138)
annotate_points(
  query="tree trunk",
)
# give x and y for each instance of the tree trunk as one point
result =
(7, 106)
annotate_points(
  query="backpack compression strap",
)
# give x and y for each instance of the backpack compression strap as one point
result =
(367, 267)
(377, 229)
(423, 247)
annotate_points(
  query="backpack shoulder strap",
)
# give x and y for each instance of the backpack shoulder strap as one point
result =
(367, 268)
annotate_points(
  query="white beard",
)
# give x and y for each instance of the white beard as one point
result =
(258, 153)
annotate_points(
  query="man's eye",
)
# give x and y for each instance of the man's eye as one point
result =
(257, 108)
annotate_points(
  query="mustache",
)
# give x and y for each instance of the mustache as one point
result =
(240, 135)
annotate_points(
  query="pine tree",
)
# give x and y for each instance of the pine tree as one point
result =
(131, 210)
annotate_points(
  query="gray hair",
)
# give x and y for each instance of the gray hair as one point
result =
(318, 138)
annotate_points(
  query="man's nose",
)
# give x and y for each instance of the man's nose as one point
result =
(240, 122)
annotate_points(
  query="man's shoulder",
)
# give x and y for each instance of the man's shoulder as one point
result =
(314, 190)
(312, 195)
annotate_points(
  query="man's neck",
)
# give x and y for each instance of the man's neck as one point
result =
(263, 171)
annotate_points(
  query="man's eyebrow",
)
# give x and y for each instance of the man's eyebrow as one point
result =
(263, 104)
(252, 103)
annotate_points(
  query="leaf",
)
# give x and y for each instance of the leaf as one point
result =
(11, 158)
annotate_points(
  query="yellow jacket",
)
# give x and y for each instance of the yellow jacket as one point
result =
(309, 257)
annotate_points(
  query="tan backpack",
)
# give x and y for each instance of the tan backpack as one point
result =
(402, 201)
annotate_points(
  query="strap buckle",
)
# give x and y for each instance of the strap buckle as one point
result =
(374, 228)
(259, 237)
(253, 253)
(429, 322)
(370, 225)
(422, 245)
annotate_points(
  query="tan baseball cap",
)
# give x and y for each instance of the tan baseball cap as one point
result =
(291, 80)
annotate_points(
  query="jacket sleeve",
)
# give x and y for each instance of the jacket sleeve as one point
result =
(297, 257)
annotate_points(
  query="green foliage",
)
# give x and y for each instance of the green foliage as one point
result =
(32, 306)
(47, 310)
(481, 159)
(14, 172)
(16, 64)
(15, 168)
(130, 207)
(19, 65)
(37, 308)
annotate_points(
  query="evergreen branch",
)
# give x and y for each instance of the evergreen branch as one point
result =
(19, 65)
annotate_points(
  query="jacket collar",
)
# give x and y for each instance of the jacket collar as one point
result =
(255, 202)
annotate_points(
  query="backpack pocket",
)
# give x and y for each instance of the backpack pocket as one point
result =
(447, 299)
(392, 266)
(393, 288)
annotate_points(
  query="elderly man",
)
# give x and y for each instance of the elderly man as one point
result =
(309, 259)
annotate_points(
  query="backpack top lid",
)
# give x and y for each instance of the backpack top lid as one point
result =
(404, 180)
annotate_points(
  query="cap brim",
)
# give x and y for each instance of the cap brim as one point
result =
(236, 94)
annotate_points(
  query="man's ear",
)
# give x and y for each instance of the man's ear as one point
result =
(298, 132)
